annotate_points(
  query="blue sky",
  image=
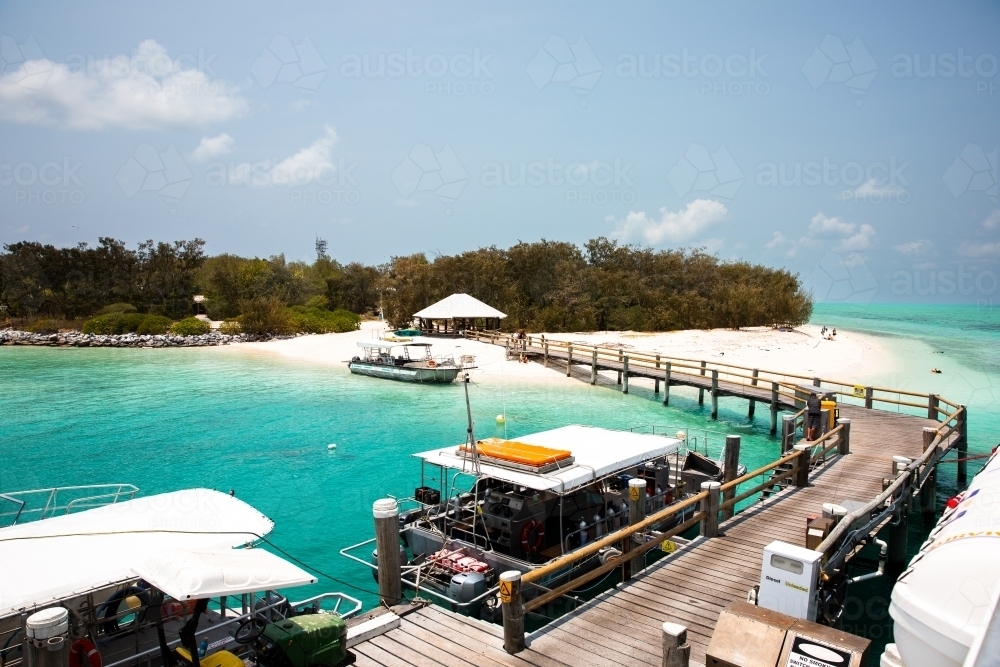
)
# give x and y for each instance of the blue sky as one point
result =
(854, 143)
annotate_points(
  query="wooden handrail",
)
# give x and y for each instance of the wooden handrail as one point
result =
(757, 489)
(548, 596)
(610, 539)
(759, 471)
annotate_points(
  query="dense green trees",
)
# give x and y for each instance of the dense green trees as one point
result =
(543, 286)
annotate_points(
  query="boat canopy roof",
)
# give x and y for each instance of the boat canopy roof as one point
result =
(53, 559)
(597, 452)
(191, 575)
(384, 344)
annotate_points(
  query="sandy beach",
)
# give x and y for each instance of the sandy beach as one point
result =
(851, 356)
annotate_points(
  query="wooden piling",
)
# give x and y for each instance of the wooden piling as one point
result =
(753, 403)
(730, 465)
(775, 407)
(512, 608)
(816, 382)
(802, 465)
(676, 651)
(932, 406)
(569, 359)
(656, 382)
(928, 492)
(963, 444)
(715, 394)
(869, 395)
(545, 355)
(620, 353)
(666, 384)
(896, 555)
(593, 367)
(844, 446)
(710, 506)
(701, 390)
(625, 374)
(787, 433)
(390, 587)
(636, 513)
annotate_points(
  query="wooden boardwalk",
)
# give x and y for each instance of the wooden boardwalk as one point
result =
(623, 626)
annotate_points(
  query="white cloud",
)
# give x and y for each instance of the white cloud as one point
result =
(777, 240)
(860, 240)
(672, 226)
(790, 247)
(211, 147)
(871, 189)
(147, 90)
(914, 248)
(980, 249)
(992, 221)
(309, 164)
(826, 227)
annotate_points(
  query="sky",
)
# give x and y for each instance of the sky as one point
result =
(853, 143)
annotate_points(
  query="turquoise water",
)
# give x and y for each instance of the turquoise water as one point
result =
(170, 419)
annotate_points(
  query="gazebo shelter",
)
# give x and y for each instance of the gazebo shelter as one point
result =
(457, 313)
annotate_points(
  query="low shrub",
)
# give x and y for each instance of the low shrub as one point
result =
(116, 308)
(264, 316)
(190, 326)
(121, 323)
(318, 301)
(230, 328)
(154, 325)
(305, 319)
(44, 326)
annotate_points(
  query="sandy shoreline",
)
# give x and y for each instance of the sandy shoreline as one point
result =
(851, 357)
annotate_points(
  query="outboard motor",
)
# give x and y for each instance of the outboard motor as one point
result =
(467, 586)
(402, 560)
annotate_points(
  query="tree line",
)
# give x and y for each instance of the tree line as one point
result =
(542, 286)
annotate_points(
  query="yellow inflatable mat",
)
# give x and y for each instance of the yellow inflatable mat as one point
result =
(519, 452)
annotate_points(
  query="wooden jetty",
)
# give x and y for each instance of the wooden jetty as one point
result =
(852, 464)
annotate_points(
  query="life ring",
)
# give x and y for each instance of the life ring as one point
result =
(536, 527)
(431, 363)
(84, 649)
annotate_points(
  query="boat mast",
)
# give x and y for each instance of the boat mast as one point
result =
(471, 437)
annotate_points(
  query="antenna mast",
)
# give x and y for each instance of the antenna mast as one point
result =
(471, 437)
(320, 248)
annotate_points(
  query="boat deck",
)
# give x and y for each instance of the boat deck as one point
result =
(690, 587)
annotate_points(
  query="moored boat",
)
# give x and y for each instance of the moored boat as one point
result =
(412, 362)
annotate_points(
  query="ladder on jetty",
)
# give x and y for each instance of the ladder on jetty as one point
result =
(625, 625)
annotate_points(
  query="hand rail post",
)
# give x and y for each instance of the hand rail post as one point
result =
(787, 433)
(844, 446)
(730, 466)
(701, 390)
(710, 506)
(715, 394)
(666, 383)
(932, 406)
(545, 355)
(620, 355)
(869, 395)
(676, 650)
(636, 513)
(802, 465)
(625, 374)
(816, 382)
(656, 381)
(512, 608)
(569, 359)
(593, 367)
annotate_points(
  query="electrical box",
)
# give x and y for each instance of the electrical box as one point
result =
(816, 531)
(789, 577)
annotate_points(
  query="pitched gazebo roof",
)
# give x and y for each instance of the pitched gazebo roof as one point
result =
(459, 306)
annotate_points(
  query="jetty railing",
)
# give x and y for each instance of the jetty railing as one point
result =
(37, 504)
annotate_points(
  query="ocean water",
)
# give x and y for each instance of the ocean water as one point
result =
(260, 425)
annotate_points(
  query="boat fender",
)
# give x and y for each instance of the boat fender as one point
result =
(583, 532)
(84, 650)
(536, 528)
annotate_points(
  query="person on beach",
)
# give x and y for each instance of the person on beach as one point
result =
(813, 414)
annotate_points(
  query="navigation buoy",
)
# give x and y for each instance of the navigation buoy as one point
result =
(500, 419)
(331, 446)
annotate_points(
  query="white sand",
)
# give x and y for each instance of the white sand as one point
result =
(851, 357)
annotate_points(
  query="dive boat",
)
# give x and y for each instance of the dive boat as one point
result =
(529, 501)
(167, 579)
(377, 360)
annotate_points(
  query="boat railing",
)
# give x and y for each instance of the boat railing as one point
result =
(35, 504)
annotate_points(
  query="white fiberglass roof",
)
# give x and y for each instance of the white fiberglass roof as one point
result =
(458, 306)
(191, 575)
(598, 452)
(386, 344)
(48, 560)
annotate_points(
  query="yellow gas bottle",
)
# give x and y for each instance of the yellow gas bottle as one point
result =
(834, 412)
